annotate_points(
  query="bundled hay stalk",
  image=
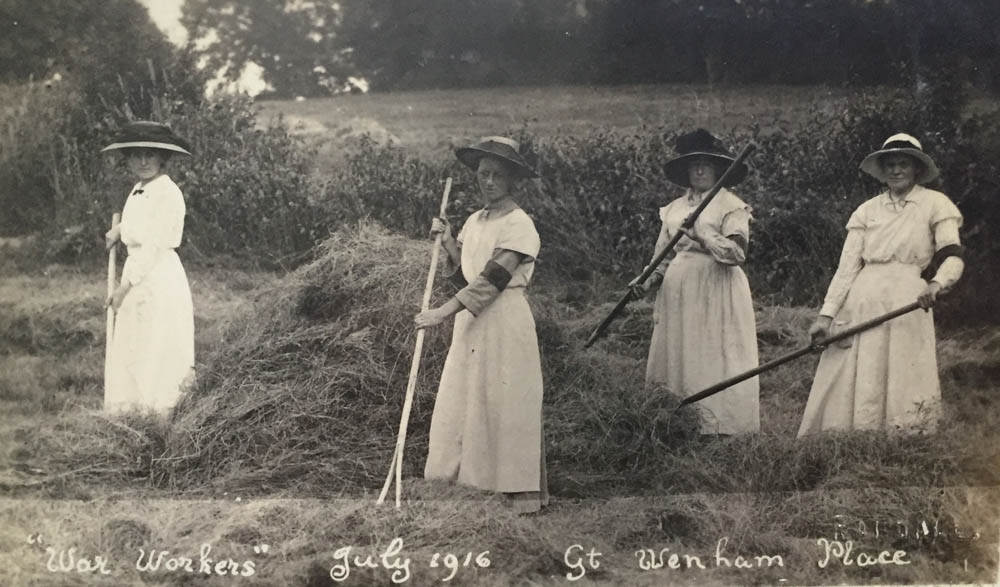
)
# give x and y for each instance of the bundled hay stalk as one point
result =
(308, 386)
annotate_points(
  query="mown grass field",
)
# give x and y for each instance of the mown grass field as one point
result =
(429, 122)
(51, 389)
(70, 474)
(433, 121)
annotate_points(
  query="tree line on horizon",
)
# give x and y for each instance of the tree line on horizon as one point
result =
(312, 48)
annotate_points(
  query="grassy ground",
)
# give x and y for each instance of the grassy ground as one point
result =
(50, 386)
(52, 350)
(300, 542)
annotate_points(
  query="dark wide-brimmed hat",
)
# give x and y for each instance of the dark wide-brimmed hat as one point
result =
(503, 148)
(700, 144)
(150, 135)
(900, 143)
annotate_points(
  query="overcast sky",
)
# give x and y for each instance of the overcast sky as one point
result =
(167, 15)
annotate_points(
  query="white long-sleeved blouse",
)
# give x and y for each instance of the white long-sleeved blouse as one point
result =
(725, 216)
(152, 223)
(886, 230)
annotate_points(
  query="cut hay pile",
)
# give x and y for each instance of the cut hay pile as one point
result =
(307, 386)
(306, 389)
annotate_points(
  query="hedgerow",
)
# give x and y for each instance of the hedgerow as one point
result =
(249, 188)
(596, 203)
(254, 193)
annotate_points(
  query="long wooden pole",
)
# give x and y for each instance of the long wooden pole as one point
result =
(411, 385)
(812, 348)
(686, 225)
(112, 267)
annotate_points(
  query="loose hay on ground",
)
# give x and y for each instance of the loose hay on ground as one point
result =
(302, 396)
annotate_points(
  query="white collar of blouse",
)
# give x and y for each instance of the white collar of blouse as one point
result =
(139, 188)
(889, 201)
(694, 198)
(488, 212)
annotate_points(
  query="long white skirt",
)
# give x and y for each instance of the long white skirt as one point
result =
(152, 350)
(885, 377)
(705, 331)
(486, 430)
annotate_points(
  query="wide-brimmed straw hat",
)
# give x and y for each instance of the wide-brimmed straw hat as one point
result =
(503, 148)
(901, 143)
(150, 135)
(701, 144)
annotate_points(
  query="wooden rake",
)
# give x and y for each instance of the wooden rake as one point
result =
(396, 467)
(112, 266)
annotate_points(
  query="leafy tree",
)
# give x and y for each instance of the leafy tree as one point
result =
(81, 37)
(293, 41)
(309, 47)
(115, 65)
(108, 50)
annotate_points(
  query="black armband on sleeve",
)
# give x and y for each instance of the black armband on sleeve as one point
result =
(496, 274)
(939, 257)
(458, 278)
(740, 240)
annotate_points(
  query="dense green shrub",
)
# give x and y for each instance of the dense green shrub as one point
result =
(596, 203)
(382, 182)
(29, 120)
(108, 56)
(403, 192)
(252, 191)
(249, 189)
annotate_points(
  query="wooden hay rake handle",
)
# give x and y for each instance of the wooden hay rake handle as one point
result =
(686, 225)
(811, 348)
(396, 467)
(112, 266)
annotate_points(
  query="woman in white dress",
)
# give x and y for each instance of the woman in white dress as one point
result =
(886, 377)
(486, 430)
(704, 328)
(152, 348)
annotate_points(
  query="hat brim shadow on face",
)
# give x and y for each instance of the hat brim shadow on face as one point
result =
(676, 169)
(872, 164)
(147, 145)
(470, 157)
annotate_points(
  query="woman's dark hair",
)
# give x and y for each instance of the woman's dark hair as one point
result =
(163, 154)
(719, 167)
(916, 162)
(511, 168)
